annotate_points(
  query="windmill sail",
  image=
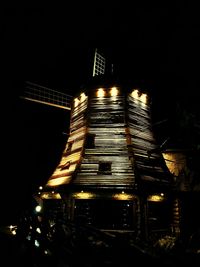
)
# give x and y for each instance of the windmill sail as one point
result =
(40, 94)
(99, 64)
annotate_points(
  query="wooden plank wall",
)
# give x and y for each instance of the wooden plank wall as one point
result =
(72, 153)
(122, 130)
(150, 166)
(106, 120)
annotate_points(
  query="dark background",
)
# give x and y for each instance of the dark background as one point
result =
(53, 46)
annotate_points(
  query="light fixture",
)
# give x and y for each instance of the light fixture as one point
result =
(76, 102)
(38, 208)
(114, 91)
(100, 92)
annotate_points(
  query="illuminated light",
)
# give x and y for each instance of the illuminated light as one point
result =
(40, 187)
(100, 92)
(83, 97)
(122, 192)
(114, 91)
(123, 196)
(76, 102)
(38, 230)
(14, 232)
(83, 195)
(28, 237)
(143, 98)
(13, 229)
(44, 195)
(57, 196)
(156, 198)
(46, 252)
(162, 194)
(38, 208)
(50, 196)
(59, 181)
(37, 244)
(135, 94)
(175, 162)
(52, 192)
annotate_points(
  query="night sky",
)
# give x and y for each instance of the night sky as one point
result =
(52, 46)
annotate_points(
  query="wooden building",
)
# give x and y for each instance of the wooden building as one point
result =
(106, 173)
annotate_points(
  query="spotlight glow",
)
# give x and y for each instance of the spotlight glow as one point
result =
(100, 92)
(114, 91)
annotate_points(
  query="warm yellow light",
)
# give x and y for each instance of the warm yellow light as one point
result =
(175, 162)
(123, 196)
(38, 230)
(114, 91)
(14, 232)
(83, 97)
(100, 92)
(49, 195)
(76, 102)
(13, 229)
(38, 208)
(135, 94)
(143, 98)
(59, 181)
(83, 195)
(40, 187)
(156, 198)
(44, 196)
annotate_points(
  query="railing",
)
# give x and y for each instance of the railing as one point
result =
(47, 96)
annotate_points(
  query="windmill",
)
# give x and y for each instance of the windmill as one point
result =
(105, 172)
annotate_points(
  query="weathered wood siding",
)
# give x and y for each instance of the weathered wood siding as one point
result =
(106, 120)
(122, 134)
(150, 166)
(74, 148)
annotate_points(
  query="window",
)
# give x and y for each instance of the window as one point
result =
(105, 168)
(90, 138)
